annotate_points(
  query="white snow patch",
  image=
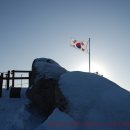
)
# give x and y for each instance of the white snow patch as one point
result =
(49, 69)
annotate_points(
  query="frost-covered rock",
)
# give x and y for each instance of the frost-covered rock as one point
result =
(43, 91)
(91, 101)
(96, 101)
(42, 95)
(46, 68)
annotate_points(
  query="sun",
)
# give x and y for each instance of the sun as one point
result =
(100, 69)
(95, 68)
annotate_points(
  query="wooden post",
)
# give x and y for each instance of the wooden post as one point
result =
(30, 74)
(13, 78)
(1, 84)
(8, 78)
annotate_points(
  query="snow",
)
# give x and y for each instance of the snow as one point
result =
(57, 121)
(48, 68)
(9, 108)
(24, 120)
(95, 99)
(94, 103)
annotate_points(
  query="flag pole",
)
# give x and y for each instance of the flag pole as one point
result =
(89, 56)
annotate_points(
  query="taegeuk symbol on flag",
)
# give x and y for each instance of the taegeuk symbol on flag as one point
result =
(79, 45)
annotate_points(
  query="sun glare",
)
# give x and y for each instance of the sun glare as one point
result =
(99, 69)
(95, 68)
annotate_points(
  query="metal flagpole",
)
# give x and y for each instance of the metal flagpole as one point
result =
(89, 56)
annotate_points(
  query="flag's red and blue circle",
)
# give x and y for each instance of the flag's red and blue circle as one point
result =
(78, 45)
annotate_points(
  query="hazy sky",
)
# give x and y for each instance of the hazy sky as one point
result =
(44, 28)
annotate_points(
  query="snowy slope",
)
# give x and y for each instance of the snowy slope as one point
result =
(9, 108)
(95, 99)
(58, 121)
(95, 103)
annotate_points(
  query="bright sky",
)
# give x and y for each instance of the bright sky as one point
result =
(44, 28)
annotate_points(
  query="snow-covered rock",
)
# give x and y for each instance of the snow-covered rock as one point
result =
(44, 80)
(96, 101)
(46, 68)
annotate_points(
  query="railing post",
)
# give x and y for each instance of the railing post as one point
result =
(13, 78)
(8, 79)
(30, 74)
(1, 84)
